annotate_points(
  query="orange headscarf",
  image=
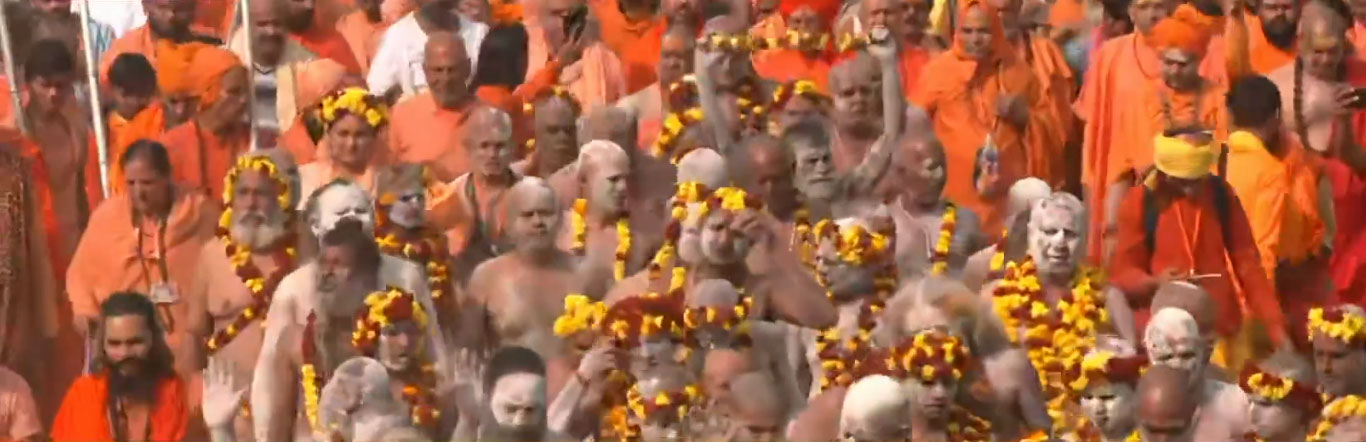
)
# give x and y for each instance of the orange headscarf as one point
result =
(1186, 29)
(826, 9)
(210, 64)
(967, 66)
(175, 65)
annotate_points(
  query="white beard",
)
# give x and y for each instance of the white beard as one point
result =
(257, 237)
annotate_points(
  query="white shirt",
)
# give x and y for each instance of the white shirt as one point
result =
(398, 61)
(120, 15)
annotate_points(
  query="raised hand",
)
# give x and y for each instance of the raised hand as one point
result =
(222, 397)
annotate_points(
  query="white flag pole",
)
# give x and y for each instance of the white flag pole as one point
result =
(11, 73)
(92, 79)
(244, 7)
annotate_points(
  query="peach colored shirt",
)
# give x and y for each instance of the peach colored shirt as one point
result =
(421, 131)
(18, 415)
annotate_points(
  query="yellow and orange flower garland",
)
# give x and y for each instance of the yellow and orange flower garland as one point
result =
(685, 193)
(939, 261)
(1056, 339)
(309, 376)
(1338, 323)
(935, 355)
(385, 308)
(1271, 387)
(1102, 368)
(579, 222)
(1337, 411)
(426, 247)
(997, 267)
(677, 403)
(261, 286)
(855, 246)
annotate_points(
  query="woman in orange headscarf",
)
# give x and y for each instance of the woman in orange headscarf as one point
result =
(988, 111)
(203, 148)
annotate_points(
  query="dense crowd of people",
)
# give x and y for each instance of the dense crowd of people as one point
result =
(741, 220)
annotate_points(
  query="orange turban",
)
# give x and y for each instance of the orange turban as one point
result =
(1186, 29)
(175, 65)
(210, 64)
(826, 9)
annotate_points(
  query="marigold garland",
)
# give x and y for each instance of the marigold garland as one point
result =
(964, 426)
(685, 193)
(996, 269)
(1275, 388)
(1338, 323)
(261, 286)
(579, 222)
(939, 262)
(385, 308)
(1056, 339)
(856, 246)
(671, 131)
(310, 378)
(354, 101)
(676, 403)
(426, 247)
(1336, 412)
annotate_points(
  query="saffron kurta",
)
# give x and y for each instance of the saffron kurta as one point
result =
(148, 124)
(422, 131)
(200, 158)
(84, 416)
(636, 43)
(598, 78)
(1190, 237)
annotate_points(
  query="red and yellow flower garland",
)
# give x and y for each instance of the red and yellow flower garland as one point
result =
(261, 286)
(1337, 411)
(309, 377)
(427, 248)
(933, 355)
(385, 308)
(939, 262)
(855, 246)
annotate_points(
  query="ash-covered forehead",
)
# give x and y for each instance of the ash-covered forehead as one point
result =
(339, 195)
(1058, 207)
(489, 119)
(600, 153)
(1169, 328)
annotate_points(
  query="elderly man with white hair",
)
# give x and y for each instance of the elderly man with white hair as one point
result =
(980, 268)
(1172, 338)
(612, 241)
(875, 409)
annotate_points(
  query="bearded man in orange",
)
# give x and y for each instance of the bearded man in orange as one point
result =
(203, 148)
(990, 134)
(133, 393)
(167, 20)
(318, 36)
(147, 239)
(802, 53)
(1271, 34)
(914, 53)
(1183, 224)
(237, 275)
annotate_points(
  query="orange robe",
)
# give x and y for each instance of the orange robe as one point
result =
(911, 63)
(200, 158)
(148, 124)
(299, 144)
(1122, 72)
(784, 65)
(635, 43)
(215, 17)
(1190, 236)
(326, 42)
(1265, 57)
(1281, 196)
(362, 36)
(1056, 81)
(84, 416)
(421, 131)
(116, 255)
(961, 99)
(597, 79)
(29, 290)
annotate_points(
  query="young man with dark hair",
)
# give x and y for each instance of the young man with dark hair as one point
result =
(133, 393)
(136, 113)
(1277, 181)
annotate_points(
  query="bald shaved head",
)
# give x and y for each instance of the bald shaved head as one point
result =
(1173, 339)
(446, 66)
(875, 408)
(1025, 192)
(488, 141)
(610, 123)
(532, 216)
(713, 293)
(704, 166)
(603, 167)
(756, 405)
(1165, 403)
(1191, 298)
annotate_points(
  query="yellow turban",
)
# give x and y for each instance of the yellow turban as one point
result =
(1181, 159)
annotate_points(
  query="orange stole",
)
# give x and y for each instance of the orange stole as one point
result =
(200, 158)
(84, 415)
(637, 44)
(1055, 80)
(148, 124)
(1265, 57)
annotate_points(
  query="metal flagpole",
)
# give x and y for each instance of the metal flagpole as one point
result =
(244, 6)
(11, 73)
(92, 80)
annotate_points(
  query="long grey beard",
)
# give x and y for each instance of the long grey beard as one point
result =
(258, 237)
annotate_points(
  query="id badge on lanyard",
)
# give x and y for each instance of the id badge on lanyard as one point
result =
(162, 292)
